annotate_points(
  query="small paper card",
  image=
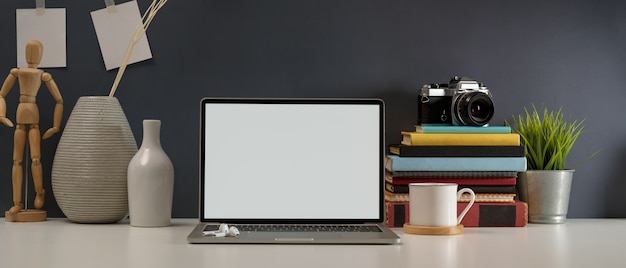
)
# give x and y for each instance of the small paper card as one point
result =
(48, 28)
(115, 30)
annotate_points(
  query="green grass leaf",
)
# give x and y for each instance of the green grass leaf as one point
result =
(547, 136)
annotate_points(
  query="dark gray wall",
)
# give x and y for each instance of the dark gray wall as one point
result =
(568, 53)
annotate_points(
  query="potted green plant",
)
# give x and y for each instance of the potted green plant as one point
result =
(548, 139)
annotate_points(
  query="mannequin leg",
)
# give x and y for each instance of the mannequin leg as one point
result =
(19, 143)
(34, 140)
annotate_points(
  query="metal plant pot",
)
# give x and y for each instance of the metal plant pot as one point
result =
(547, 194)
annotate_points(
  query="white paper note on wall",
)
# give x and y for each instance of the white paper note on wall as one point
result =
(49, 29)
(115, 30)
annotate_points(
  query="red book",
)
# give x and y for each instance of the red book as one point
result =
(480, 215)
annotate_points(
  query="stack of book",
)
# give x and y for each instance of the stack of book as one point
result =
(485, 159)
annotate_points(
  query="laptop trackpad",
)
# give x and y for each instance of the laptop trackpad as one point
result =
(304, 236)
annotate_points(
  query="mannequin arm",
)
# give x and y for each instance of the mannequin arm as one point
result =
(6, 88)
(58, 108)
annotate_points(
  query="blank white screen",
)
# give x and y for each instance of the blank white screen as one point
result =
(292, 161)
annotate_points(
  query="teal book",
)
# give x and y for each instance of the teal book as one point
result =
(397, 163)
(461, 129)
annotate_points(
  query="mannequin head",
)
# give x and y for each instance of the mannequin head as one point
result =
(34, 51)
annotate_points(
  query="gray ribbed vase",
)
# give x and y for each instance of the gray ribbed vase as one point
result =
(89, 169)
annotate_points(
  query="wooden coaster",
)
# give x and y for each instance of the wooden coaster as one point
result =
(27, 215)
(431, 230)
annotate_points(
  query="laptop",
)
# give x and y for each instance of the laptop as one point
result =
(299, 171)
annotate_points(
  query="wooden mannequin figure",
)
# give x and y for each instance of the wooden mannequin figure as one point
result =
(27, 119)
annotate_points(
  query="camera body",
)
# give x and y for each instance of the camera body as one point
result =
(461, 102)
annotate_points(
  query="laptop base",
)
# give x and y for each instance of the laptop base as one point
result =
(386, 236)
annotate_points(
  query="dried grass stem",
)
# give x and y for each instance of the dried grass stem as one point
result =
(147, 18)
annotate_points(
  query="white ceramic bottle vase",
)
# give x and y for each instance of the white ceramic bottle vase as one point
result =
(150, 181)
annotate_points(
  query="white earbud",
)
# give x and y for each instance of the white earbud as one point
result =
(233, 231)
(223, 228)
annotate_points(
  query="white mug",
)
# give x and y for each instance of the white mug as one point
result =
(434, 204)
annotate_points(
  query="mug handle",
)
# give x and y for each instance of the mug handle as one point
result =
(471, 202)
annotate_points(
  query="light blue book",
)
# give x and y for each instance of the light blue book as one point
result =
(397, 163)
(461, 129)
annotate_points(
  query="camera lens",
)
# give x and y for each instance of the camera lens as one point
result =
(474, 109)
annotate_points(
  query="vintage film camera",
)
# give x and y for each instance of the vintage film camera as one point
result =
(462, 102)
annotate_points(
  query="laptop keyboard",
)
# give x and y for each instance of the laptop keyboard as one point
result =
(305, 228)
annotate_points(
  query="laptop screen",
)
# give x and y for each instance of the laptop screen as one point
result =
(291, 160)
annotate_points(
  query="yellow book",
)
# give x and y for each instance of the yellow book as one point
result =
(460, 139)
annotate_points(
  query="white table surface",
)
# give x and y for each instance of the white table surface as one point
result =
(59, 243)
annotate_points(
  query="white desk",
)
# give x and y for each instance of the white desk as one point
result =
(60, 243)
